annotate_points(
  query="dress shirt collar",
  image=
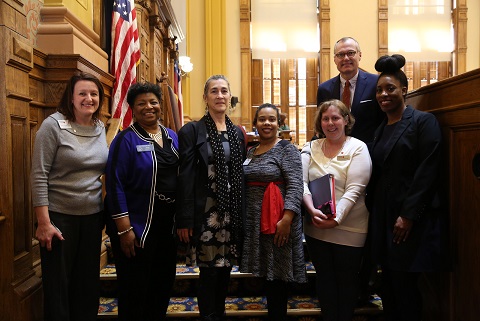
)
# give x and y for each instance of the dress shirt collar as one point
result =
(352, 81)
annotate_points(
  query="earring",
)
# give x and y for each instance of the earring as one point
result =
(206, 108)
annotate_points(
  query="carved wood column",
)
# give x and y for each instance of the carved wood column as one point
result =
(325, 54)
(460, 37)
(382, 28)
(246, 63)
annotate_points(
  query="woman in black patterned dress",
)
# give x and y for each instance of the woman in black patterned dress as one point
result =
(273, 229)
(210, 213)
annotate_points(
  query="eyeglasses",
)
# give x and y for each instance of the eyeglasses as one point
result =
(349, 54)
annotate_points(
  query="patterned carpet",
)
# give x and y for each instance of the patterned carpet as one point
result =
(245, 300)
(301, 308)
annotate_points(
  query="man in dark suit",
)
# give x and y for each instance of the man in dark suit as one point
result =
(362, 101)
(362, 87)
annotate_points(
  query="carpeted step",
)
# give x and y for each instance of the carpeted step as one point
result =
(187, 307)
(108, 273)
(245, 300)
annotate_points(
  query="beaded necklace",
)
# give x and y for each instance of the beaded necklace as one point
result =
(158, 137)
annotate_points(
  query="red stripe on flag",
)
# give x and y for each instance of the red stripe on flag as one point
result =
(124, 58)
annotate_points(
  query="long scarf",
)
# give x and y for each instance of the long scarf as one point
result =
(228, 191)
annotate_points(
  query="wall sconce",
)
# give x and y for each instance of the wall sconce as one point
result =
(185, 65)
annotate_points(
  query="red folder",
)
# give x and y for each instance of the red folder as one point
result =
(323, 194)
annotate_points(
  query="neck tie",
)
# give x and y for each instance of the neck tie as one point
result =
(346, 94)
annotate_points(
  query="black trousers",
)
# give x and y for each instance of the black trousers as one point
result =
(71, 271)
(145, 281)
(401, 297)
(277, 300)
(337, 267)
(212, 291)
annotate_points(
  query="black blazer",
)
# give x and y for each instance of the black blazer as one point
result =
(365, 108)
(193, 174)
(406, 185)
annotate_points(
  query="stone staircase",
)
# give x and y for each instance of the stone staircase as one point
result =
(245, 300)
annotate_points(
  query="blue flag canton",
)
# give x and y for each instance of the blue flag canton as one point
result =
(123, 8)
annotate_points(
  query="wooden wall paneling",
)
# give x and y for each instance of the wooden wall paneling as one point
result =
(325, 54)
(143, 27)
(312, 81)
(465, 227)
(22, 238)
(416, 75)
(35, 248)
(443, 70)
(39, 109)
(20, 293)
(456, 104)
(156, 52)
(257, 82)
(310, 122)
(312, 86)
(285, 64)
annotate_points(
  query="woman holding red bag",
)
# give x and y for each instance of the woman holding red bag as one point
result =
(273, 246)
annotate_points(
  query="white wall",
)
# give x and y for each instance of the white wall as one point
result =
(180, 9)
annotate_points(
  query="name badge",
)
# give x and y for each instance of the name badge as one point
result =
(247, 161)
(343, 157)
(145, 148)
(64, 123)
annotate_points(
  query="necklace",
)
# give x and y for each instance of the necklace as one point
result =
(158, 137)
(328, 160)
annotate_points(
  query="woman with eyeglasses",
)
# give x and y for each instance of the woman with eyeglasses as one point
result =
(354, 87)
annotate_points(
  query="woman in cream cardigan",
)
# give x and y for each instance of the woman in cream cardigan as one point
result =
(335, 243)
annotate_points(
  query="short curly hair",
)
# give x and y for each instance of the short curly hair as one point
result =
(139, 88)
(344, 111)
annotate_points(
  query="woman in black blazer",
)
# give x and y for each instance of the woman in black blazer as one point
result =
(405, 215)
(211, 193)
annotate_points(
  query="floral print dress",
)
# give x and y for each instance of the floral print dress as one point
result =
(213, 246)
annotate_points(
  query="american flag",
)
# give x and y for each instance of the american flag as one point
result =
(124, 58)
